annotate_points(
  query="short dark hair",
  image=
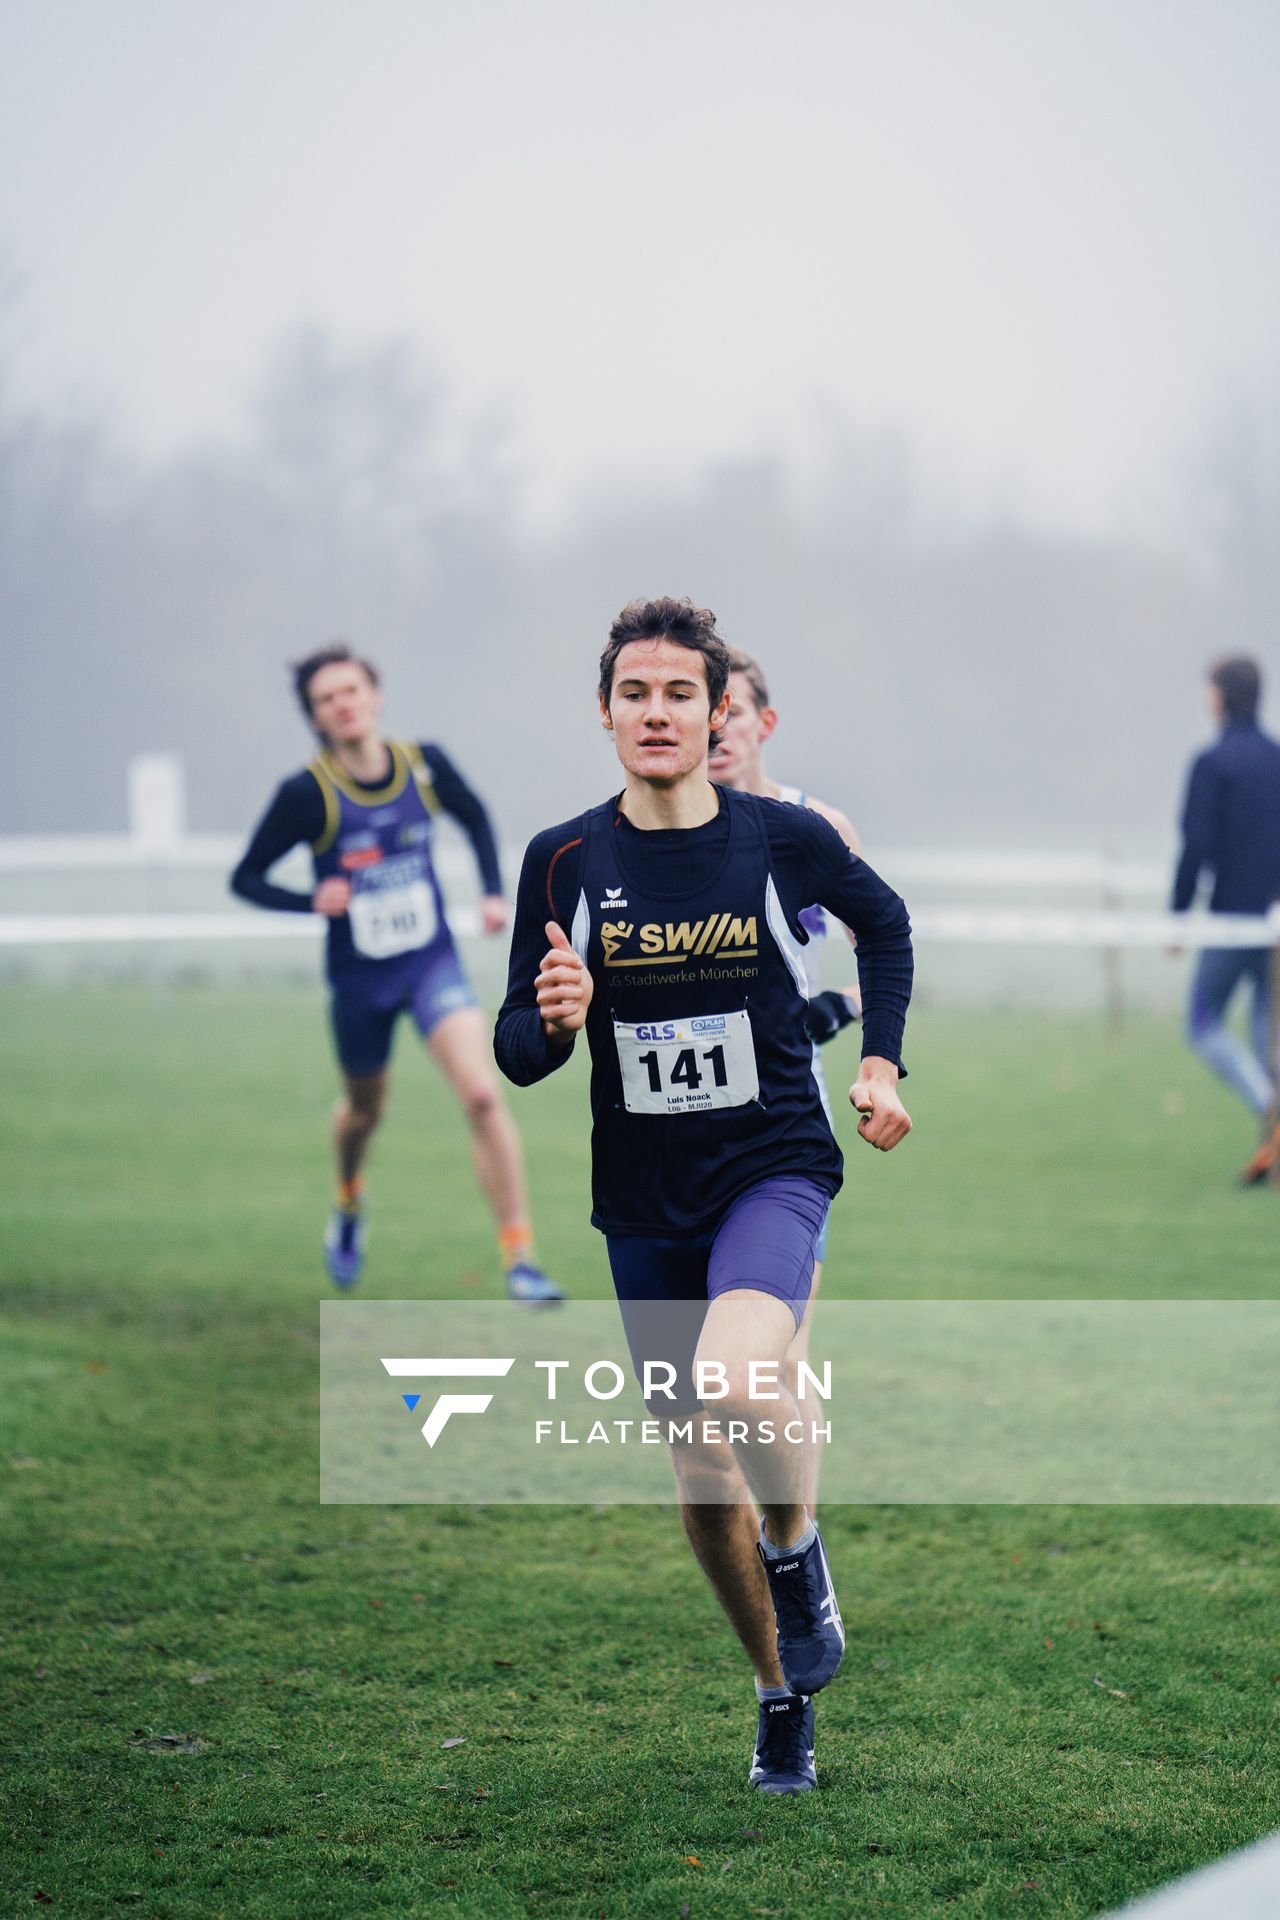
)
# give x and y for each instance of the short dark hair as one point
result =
(336, 654)
(1240, 684)
(666, 619)
(747, 663)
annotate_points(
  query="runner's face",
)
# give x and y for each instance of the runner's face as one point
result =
(736, 761)
(345, 704)
(660, 711)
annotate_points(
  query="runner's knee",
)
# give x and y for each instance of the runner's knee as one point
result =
(728, 1395)
(708, 1480)
(365, 1104)
(481, 1103)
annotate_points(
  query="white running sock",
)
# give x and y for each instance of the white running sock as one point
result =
(806, 1539)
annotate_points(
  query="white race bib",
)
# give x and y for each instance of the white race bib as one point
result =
(390, 920)
(693, 1065)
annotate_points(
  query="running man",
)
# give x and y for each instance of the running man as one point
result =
(1231, 825)
(738, 761)
(712, 1166)
(366, 806)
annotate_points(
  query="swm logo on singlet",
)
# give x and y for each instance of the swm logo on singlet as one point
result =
(722, 936)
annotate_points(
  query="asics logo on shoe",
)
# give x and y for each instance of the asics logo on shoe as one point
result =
(830, 1607)
(450, 1403)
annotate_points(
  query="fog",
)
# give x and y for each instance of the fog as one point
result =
(947, 675)
(933, 347)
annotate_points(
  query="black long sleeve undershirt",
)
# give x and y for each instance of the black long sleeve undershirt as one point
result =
(810, 863)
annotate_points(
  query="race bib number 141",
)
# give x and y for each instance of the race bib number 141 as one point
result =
(692, 1065)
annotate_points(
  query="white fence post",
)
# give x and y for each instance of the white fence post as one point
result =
(157, 801)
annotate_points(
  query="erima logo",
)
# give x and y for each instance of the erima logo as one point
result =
(722, 936)
(613, 899)
(438, 1418)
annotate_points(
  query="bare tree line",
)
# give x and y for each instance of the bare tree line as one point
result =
(946, 678)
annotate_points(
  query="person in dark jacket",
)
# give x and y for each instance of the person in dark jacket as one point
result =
(1231, 827)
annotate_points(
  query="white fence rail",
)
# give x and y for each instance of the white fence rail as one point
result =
(1006, 930)
(989, 926)
(1110, 924)
(89, 852)
(218, 853)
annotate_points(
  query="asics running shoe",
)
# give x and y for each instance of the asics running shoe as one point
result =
(344, 1247)
(1263, 1161)
(783, 1759)
(529, 1283)
(810, 1630)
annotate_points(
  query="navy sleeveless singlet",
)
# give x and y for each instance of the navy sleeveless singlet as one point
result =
(380, 840)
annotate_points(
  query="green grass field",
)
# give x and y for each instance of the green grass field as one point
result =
(220, 1698)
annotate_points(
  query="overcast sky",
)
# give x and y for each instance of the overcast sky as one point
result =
(1036, 236)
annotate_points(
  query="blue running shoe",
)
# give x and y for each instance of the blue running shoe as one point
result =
(344, 1247)
(783, 1759)
(529, 1283)
(810, 1630)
